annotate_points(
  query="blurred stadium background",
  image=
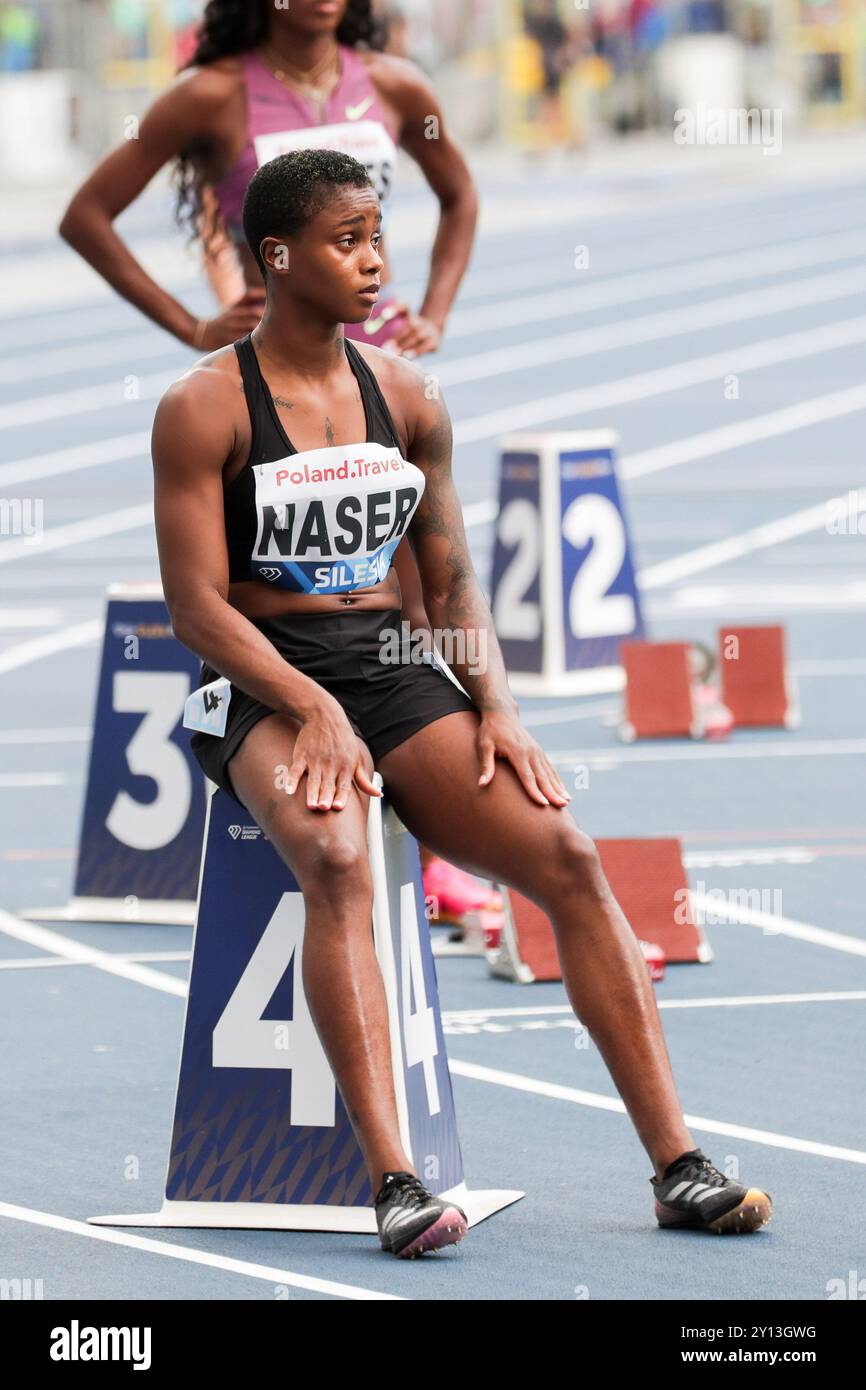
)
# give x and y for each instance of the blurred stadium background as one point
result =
(531, 74)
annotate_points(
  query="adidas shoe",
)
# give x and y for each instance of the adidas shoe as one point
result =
(411, 1220)
(694, 1194)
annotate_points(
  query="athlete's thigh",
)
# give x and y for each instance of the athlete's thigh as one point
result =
(431, 779)
(299, 832)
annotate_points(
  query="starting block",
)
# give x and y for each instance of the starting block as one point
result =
(659, 693)
(563, 588)
(756, 684)
(648, 880)
(261, 1137)
(144, 809)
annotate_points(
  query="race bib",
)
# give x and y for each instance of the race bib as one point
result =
(206, 709)
(330, 519)
(366, 141)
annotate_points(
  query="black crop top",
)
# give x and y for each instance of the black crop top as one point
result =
(312, 528)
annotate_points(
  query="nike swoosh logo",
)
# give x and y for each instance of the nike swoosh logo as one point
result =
(355, 113)
(373, 325)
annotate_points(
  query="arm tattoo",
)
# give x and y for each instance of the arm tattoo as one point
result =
(435, 517)
(437, 532)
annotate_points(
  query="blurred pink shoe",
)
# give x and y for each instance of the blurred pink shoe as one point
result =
(455, 894)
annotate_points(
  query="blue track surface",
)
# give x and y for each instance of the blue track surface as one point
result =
(90, 1059)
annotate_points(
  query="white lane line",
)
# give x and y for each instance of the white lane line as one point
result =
(85, 320)
(515, 1082)
(563, 713)
(110, 395)
(784, 528)
(535, 412)
(760, 597)
(633, 466)
(97, 312)
(97, 352)
(59, 461)
(777, 854)
(59, 945)
(768, 352)
(644, 277)
(737, 1001)
(44, 939)
(77, 532)
(640, 270)
(703, 1002)
(53, 962)
(14, 736)
(61, 405)
(10, 781)
(649, 328)
(674, 753)
(712, 442)
(168, 1250)
(568, 714)
(776, 925)
(80, 635)
(709, 443)
(567, 301)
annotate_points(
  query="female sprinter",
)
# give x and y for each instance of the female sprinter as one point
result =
(275, 555)
(266, 79)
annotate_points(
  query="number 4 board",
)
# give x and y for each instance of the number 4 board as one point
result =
(261, 1137)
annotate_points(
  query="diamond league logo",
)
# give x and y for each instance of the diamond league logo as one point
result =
(269, 573)
(244, 832)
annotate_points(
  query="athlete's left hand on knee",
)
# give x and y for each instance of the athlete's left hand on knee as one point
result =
(503, 736)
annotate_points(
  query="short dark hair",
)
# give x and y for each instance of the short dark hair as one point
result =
(284, 194)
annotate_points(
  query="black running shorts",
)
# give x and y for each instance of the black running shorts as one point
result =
(385, 702)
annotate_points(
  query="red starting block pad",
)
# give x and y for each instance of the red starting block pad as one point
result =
(261, 1137)
(659, 702)
(756, 684)
(648, 880)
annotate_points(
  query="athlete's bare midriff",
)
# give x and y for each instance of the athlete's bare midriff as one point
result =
(257, 600)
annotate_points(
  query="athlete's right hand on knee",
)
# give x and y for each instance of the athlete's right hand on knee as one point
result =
(332, 757)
